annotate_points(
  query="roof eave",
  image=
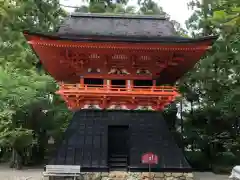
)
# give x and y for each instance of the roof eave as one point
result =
(127, 39)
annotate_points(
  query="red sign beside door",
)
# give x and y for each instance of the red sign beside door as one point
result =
(149, 158)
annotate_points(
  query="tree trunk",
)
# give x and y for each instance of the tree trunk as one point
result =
(16, 161)
(181, 115)
(191, 103)
(11, 165)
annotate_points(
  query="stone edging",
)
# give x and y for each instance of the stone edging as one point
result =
(118, 175)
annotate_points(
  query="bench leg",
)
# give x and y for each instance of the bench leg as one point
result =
(45, 178)
(75, 177)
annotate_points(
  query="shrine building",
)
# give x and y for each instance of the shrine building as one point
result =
(117, 73)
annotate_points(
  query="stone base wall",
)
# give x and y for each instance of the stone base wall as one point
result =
(136, 176)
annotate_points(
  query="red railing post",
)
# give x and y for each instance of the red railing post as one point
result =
(154, 85)
(81, 81)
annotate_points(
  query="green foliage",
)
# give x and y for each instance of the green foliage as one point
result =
(18, 91)
(19, 15)
(213, 127)
(198, 160)
(146, 7)
(227, 15)
(27, 100)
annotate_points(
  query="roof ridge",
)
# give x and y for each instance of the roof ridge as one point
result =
(120, 16)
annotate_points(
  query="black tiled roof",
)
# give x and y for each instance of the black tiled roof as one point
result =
(116, 25)
(86, 139)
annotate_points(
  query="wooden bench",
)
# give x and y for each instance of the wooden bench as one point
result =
(62, 171)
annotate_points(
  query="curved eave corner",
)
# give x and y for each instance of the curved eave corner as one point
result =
(172, 75)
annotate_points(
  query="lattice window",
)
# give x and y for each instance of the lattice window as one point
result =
(94, 56)
(145, 58)
(119, 56)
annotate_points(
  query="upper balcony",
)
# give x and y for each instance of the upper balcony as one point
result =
(83, 96)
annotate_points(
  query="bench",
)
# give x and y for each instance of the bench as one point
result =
(62, 171)
(235, 173)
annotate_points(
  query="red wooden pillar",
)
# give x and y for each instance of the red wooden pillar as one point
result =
(128, 85)
(81, 81)
(107, 84)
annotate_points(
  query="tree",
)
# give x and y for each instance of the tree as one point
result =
(18, 92)
(21, 87)
(214, 80)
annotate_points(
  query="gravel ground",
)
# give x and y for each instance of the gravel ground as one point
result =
(36, 174)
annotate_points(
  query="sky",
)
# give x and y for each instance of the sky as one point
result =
(177, 9)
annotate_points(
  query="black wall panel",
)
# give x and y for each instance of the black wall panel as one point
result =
(86, 140)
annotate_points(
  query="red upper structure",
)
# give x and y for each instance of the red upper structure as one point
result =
(111, 62)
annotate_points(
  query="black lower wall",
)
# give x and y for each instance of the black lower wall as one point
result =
(86, 140)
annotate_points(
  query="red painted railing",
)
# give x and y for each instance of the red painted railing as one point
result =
(115, 89)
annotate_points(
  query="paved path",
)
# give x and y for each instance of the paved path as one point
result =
(210, 176)
(36, 174)
(11, 174)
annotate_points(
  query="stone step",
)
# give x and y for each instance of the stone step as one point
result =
(118, 169)
(118, 164)
(118, 156)
(118, 159)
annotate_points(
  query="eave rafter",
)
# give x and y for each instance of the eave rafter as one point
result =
(120, 46)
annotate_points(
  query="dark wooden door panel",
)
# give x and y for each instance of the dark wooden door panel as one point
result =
(118, 140)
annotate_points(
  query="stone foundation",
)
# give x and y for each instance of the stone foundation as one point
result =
(136, 176)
